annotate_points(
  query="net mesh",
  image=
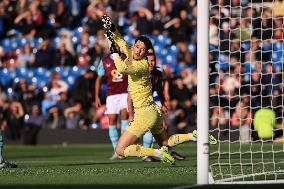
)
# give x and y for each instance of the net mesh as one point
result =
(246, 89)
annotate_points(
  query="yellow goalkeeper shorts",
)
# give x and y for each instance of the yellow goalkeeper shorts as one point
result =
(146, 119)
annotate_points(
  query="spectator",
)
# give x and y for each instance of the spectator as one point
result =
(176, 118)
(22, 6)
(183, 56)
(219, 119)
(179, 91)
(25, 24)
(56, 85)
(213, 32)
(21, 88)
(64, 57)
(44, 57)
(3, 96)
(83, 89)
(72, 116)
(48, 102)
(96, 53)
(31, 99)
(135, 4)
(144, 18)
(34, 123)
(61, 17)
(63, 103)
(5, 20)
(242, 119)
(93, 23)
(26, 58)
(37, 17)
(55, 119)
(102, 41)
(176, 31)
(160, 19)
(14, 120)
(83, 57)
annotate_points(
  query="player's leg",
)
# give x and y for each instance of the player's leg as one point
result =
(127, 147)
(176, 155)
(181, 138)
(137, 128)
(123, 112)
(124, 120)
(148, 140)
(112, 130)
(212, 139)
(4, 163)
(148, 143)
(112, 110)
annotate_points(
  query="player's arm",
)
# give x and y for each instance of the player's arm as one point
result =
(123, 66)
(98, 84)
(126, 66)
(166, 89)
(122, 44)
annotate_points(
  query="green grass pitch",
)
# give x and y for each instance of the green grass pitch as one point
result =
(88, 166)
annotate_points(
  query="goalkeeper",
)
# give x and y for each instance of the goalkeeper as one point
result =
(159, 96)
(148, 116)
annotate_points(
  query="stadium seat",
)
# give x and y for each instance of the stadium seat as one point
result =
(6, 43)
(39, 71)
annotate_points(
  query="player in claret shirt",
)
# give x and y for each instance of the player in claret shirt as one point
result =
(116, 102)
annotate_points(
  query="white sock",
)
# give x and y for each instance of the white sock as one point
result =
(157, 154)
(192, 137)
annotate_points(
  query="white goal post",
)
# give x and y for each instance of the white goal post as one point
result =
(240, 64)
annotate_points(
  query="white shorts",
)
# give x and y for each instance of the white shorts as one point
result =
(115, 103)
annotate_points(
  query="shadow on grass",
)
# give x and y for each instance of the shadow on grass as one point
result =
(99, 163)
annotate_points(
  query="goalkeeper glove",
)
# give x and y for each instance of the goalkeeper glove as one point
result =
(110, 36)
(113, 48)
(108, 25)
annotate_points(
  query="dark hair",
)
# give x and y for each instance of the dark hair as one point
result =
(146, 41)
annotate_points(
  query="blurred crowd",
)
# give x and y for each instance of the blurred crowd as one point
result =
(50, 50)
(246, 63)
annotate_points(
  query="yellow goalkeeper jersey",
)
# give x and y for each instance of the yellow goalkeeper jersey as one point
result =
(139, 82)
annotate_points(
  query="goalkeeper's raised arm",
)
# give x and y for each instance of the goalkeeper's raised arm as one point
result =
(135, 62)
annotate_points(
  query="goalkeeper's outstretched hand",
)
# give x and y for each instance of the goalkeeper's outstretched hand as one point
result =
(108, 25)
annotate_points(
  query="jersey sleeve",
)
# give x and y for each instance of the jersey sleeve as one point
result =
(129, 68)
(122, 44)
(101, 70)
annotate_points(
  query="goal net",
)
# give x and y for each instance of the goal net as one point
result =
(246, 55)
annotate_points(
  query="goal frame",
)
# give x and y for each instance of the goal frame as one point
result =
(202, 91)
